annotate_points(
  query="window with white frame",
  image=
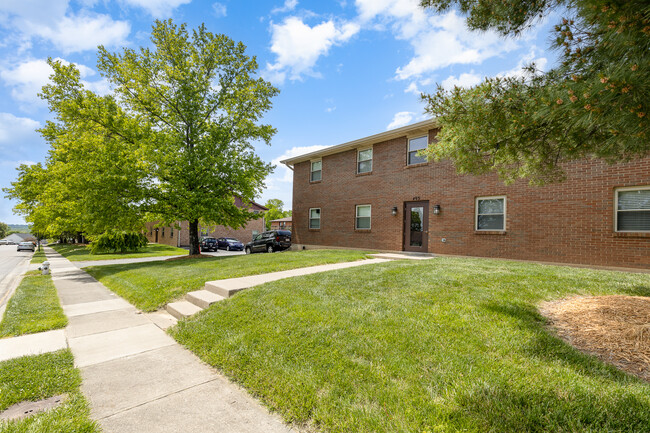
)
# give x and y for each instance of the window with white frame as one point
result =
(364, 161)
(314, 218)
(363, 217)
(491, 213)
(316, 173)
(415, 145)
(633, 209)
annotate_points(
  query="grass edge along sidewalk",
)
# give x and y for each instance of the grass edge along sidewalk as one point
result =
(449, 344)
(33, 308)
(151, 285)
(32, 378)
(81, 252)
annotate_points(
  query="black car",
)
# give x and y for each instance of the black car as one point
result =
(209, 244)
(271, 241)
(230, 244)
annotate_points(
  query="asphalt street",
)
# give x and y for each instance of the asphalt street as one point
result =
(12, 265)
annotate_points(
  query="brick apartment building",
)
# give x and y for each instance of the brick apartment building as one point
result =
(281, 224)
(181, 237)
(377, 193)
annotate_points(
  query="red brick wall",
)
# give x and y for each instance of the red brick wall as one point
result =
(284, 225)
(568, 222)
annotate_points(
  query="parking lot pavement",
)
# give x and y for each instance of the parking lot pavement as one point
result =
(221, 253)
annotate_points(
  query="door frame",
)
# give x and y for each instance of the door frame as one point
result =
(406, 223)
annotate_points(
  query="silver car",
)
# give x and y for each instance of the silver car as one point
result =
(26, 246)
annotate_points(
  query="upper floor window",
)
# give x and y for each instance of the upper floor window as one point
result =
(316, 171)
(633, 209)
(314, 218)
(363, 217)
(416, 144)
(364, 161)
(171, 232)
(491, 213)
(163, 232)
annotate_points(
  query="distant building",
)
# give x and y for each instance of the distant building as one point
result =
(281, 224)
(20, 237)
(181, 237)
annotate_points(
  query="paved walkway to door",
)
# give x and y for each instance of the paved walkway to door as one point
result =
(136, 377)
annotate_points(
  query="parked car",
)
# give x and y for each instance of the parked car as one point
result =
(27, 246)
(271, 241)
(4, 242)
(230, 244)
(209, 244)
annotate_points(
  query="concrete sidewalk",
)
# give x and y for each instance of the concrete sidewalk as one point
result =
(32, 344)
(136, 377)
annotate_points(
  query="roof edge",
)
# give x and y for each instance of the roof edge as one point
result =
(371, 139)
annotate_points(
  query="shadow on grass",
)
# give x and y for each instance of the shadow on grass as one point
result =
(638, 291)
(546, 346)
(505, 408)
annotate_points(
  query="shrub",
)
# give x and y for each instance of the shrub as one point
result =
(114, 241)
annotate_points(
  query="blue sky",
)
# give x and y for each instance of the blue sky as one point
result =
(346, 69)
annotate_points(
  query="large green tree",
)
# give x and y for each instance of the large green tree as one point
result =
(594, 103)
(172, 141)
(4, 230)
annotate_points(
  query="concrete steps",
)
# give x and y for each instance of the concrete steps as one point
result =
(203, 298)
(224, 288)
(193, 303)
(182, 309)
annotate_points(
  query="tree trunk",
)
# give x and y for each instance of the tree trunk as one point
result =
(194, 237)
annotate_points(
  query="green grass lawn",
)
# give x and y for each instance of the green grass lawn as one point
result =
(151, 285)
(33, 378)
(33, 308)
(81, 253)
(445, 345)
(39, 256)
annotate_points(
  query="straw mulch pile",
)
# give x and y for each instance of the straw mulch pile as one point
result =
(615, 329)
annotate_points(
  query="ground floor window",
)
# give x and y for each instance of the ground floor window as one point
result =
(363, 217)
(491, 213)
(314, 218)
(633, 209)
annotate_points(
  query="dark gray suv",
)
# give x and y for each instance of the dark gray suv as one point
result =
(271, 241)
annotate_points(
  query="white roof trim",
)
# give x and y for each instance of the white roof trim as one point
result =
(408, 130)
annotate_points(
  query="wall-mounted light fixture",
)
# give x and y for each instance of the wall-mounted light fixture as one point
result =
(436, 209)
(394, 210)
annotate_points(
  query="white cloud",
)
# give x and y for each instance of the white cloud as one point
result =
(298, 46)
(15, 131)
(28, 78)
(405, 17)
(157, 8)
(437, 41)
(413, 88)
(69, 32)
(84, 32)
(288, 5)
(401, 118)
(34, 11)
(518, 71)
(219, 9)
(463, 80)
(447, 41)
